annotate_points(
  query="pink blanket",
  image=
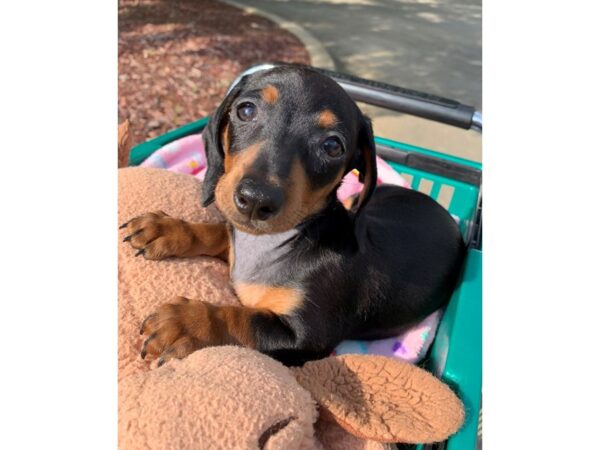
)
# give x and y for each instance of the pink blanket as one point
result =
(186, 155)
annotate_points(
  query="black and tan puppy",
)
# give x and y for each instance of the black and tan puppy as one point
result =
(308, 272)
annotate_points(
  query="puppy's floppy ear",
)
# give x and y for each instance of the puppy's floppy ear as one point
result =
(365, 162)
(213, 146)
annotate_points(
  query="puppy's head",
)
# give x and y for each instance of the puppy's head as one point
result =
(279, 145)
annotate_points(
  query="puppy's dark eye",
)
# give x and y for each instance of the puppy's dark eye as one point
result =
(333, 147)
(246, 111)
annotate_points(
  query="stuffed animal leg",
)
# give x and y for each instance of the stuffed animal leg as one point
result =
(236, 398)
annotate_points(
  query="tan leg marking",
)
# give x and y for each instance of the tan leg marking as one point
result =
(277, 299)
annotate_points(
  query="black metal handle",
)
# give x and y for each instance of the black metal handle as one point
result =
(405, 100)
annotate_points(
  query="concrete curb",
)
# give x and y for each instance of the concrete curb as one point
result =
(319, 57)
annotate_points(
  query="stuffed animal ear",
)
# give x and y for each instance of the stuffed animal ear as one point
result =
(383, 399)
(366, 163)
(212, 136)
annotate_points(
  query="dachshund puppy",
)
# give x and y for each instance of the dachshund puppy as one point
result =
(308, 272)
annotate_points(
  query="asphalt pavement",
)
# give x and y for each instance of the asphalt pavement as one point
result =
(428, 45)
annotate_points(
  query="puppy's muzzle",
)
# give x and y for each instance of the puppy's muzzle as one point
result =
(257, 200)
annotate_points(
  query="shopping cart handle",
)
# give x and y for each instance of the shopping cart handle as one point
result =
(408, 101)
(397, 98)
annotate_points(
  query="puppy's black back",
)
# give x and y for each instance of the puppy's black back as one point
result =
(411, 250)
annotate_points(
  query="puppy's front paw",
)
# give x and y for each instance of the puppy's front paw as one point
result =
(176, 330)
(156, 235)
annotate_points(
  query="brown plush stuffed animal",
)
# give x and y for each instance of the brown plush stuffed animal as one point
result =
(236, 398)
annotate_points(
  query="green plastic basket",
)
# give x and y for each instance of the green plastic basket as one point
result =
(455, 355)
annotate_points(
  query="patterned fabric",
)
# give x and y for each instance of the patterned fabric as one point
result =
(410, 346)
(186, 155)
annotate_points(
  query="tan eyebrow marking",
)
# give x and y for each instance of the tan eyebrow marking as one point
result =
(270, 94)
(327, 119)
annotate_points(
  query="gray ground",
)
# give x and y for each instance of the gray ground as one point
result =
(428, 45)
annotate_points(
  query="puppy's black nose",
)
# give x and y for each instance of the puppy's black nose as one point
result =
(257, 201)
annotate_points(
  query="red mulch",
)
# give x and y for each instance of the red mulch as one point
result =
(177, 58)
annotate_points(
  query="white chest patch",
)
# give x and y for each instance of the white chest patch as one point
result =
(259, 259)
